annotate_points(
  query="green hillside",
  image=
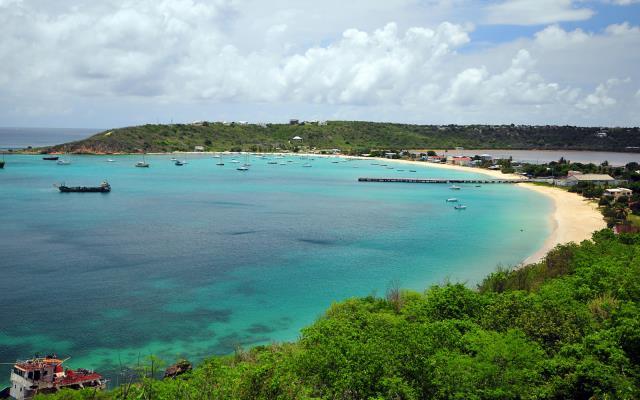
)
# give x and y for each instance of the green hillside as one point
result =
(566, 328)
(351, 137)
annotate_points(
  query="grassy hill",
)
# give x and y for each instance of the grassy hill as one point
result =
(349, 136)
(565, 328)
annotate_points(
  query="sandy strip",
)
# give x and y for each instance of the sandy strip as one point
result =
(574, 219)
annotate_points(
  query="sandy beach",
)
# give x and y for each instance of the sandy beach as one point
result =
(573, 219)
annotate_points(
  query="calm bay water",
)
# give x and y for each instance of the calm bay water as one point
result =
(195, 260)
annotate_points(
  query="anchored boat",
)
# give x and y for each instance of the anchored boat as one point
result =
(47, 375)
(103, 188)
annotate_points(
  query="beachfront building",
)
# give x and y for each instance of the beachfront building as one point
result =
(198, 148)
(460, 160)
(618, 192)
(297, 139)
(596, 179)
(436, 159)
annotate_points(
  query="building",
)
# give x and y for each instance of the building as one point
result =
(460, 160)
(294, 122)
(198, 148)
(601, 134)
(618, 192)
(486, 157)
(596, 179)
(436, 159)
(297, 138)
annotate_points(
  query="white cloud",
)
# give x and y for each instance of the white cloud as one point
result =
(554, 36)
(197, 56)
(536, 12)
(624, 2)
(600, 98)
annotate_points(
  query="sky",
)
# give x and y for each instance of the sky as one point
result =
(112, 63)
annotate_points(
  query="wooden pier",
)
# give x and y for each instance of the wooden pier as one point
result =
(416, 180)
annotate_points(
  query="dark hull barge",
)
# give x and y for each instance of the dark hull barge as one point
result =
(103, 188)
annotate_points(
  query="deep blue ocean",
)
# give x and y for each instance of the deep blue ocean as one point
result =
(196, 260)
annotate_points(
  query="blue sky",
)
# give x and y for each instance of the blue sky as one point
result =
(122, 62)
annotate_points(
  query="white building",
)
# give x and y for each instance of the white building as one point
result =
(198, 148)
(618, 192)
(596, 179)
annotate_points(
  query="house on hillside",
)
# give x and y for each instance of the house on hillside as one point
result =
(596, 179)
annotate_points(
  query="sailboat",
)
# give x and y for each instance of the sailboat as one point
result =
(221, 162)
(244, 167)
(143, 163)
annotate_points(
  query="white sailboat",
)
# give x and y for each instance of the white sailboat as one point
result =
(143, 163)
(63, 161)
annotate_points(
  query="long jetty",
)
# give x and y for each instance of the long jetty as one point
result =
(417, 180)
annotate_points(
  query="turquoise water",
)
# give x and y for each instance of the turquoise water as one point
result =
(195, 260)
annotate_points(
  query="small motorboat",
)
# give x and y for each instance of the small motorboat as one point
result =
(307, 165)
(179, 163)
(454, 187)
(460, 207)
(63, 162)
(412, 170)
(243, 168)
(235, 162)
(273, 162)
(174, 159)
(220, 163)
(452, 200)
(110, 160)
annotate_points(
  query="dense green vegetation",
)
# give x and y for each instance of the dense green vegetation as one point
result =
(566, 328)
(351, 137)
